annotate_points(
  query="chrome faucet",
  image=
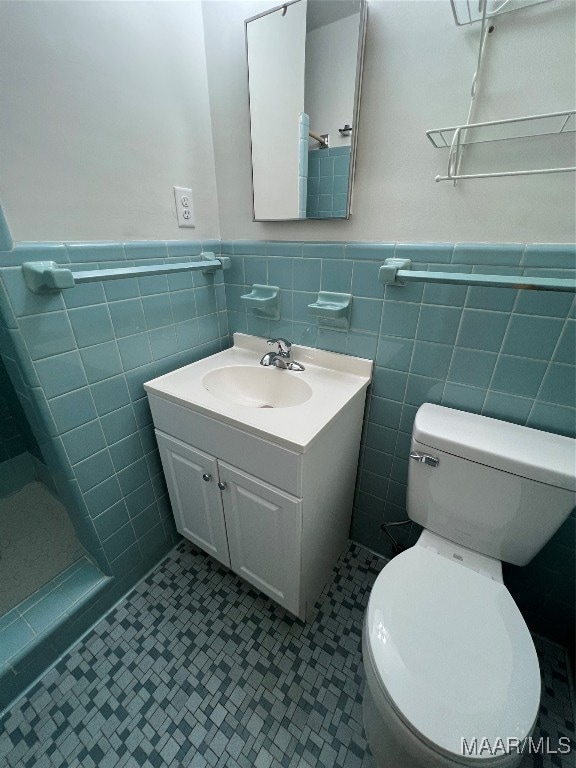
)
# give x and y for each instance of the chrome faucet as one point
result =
(282, 358)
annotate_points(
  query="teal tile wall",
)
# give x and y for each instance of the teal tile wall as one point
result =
(327, 188)
(503, 353)
(78, 360)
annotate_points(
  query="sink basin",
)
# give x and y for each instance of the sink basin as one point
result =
(257, 387)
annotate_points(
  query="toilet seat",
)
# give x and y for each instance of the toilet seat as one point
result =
(452, 652)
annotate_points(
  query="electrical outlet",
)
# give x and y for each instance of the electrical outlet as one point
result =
(184, 207)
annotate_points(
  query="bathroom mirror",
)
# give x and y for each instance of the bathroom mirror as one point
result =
(304, 76)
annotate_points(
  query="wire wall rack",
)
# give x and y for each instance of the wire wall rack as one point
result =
(457, 138)
(467, 12)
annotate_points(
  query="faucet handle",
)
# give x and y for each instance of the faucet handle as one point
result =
(284, 346)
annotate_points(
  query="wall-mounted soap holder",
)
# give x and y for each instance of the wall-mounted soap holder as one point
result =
(332, 310)
(264, 300)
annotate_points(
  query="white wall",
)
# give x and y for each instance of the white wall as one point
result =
(331, 56)
(276, 45)
(104, 107)
(417, 75)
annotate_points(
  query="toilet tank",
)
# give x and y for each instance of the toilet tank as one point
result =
(496, 488)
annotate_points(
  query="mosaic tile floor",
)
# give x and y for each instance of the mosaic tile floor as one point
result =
(195, 668)
(37, 542)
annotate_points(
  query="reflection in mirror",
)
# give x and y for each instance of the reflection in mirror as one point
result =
(304, 73)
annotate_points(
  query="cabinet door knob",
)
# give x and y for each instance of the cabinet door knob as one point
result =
(222, 486)
(206, 476)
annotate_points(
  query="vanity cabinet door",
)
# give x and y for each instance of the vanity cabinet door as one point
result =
(264, 528)
(192, 480)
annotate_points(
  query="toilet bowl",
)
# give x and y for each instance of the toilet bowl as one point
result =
(452, 676)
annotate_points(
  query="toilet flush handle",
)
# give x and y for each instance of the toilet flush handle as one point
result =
(425, 458)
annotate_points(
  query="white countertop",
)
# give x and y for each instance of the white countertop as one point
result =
(334, 379)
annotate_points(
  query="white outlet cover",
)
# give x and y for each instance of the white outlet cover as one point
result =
(184, 207)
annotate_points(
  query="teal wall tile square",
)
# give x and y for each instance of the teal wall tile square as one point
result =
(119, 542)
(187, 334)
(333, 341)
(47, 334)
(377, 462)
(423, 389)
(284, 248)
(118, 290)
(306, 276)
(508, 254)
(118, 424)
(157, 311)
(566, 349)
(84, 295)
(163, 342)
(184, 248)
(323, 250)
(411, 292)
(94, 470)
(366, 314)
(559, 385)
(438, 324)
(146, 520)
(140, 499)
(126, 452)
(127, 317)
(399, 319)
(110, 394)
(146, 249)
(60, 373)
(91, 325)
(374, 485)
(249, 248)
(365, 280)
(83, 441)
(482, 330)
(553, 418)
(518, 375)
(152, 284)
(499, 299)
(280, 272)
(381, 438)
(551, 255)
(394, 352)
(133, 476)
(111, 520)
(389, 384)
(101, 361)
(183, 306)
(530, 336)
(336, 276)
(431, 359)
(96, 252)
(462, 397)
(507, 407)
(436, 253)
(205, 301)
(548, 303)
(472, 367)
(385, 411)
(134, 351)
(370, 251)
(361, 344)
(342, 166)
(103, 496)
(73, 409)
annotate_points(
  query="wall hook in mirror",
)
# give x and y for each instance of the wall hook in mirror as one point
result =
(346, 131)
(284, 10)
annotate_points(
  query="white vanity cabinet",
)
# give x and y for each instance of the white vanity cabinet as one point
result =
(243, 522)
(266, 490)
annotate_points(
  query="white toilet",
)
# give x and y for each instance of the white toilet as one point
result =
(452, 674)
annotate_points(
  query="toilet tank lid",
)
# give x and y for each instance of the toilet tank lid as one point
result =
(522, 451)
